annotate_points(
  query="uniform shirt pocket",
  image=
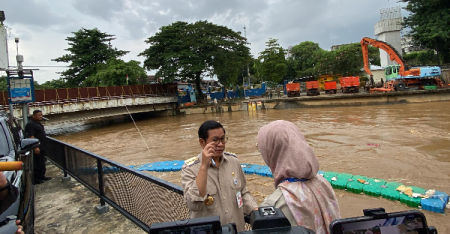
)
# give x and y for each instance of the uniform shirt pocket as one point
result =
(236, 184)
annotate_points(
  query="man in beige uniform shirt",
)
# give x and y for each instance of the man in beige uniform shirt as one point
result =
(214, 183)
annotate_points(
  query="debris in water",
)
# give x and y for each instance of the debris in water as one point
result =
(361, 181)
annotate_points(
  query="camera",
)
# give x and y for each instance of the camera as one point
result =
(272, 220)
(263, 220)
(377, 221)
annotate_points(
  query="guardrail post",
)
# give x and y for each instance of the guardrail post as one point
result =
(65, 178)
(103, 207)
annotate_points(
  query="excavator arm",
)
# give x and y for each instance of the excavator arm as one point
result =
(391, 51)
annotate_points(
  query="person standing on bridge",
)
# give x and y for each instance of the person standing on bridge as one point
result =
(213, 182)
(35, 129)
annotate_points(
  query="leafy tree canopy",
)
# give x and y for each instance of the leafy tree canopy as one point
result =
(52, 84)
(115, 72)
(3, 83)
(420, 58)
(274, 66)
(88, 49)
(346, 61)
(307, 59)
(304, 57)
(189, 51)
(429, 21)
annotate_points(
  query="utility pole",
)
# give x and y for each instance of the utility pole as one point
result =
(20, 81)
(248, 72)
(19, 59)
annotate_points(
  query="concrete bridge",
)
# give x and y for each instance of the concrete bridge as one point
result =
(73, 104)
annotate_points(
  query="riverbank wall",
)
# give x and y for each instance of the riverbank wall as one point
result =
(359, 99)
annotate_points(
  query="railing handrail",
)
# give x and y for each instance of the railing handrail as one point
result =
(158, 181)
(67, 157)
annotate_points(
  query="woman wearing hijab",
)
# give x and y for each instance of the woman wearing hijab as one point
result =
(305, 198)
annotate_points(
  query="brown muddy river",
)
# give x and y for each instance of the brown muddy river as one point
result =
(406, 143)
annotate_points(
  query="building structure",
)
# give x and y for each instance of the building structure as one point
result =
(388, 30)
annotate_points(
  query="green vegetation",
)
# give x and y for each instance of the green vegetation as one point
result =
(273, 65)
(190, 51)
(308, 59)
(346, 61)
(3, 83)
(420, 58)
(304, 57)
(115, 72)
(89, 48)
(429, 23)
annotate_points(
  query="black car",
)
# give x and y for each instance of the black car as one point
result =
(20, 200)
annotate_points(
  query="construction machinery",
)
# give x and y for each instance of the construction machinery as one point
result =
(350, 84)
(330, 87)
(293, 89)
(400, 77)
(312, 88)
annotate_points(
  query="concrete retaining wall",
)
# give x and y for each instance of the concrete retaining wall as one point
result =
(360, 99)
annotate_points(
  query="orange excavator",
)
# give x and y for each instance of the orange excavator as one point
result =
(400, 77)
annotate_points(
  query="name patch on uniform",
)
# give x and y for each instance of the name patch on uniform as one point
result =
(239, 199)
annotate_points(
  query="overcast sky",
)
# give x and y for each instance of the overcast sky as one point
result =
(43, 25)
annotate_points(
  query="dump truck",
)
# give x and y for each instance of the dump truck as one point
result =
(293, 89)
(350, 84)
(330, 87)
(312, 88)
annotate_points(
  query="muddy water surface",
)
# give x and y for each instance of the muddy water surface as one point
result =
(407, 143)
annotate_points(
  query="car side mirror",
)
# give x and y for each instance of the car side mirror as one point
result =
(28, 144)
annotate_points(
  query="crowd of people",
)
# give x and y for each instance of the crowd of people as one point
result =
(214, 182)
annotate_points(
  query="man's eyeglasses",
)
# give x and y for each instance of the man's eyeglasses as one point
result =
(223, 140)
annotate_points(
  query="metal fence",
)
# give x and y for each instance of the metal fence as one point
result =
(61, 96)
(142, 198)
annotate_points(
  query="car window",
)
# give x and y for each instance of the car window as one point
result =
(4, 146)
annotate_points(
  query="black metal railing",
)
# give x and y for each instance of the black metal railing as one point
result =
(142, 198)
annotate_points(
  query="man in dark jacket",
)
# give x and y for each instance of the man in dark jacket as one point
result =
(35, 129)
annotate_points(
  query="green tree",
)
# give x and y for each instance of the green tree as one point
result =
(430, 27)
(51, 84)
(3, 83)
(346, 61)
(305, 57)
(420, 58)
(189, 51)
(115, 72)
(88, 49)
(291, 72)
(273, 67)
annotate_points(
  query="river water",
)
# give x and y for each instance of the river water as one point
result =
(406, 143)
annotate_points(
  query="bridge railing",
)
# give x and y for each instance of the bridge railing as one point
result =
(70, 95)
(142, 198)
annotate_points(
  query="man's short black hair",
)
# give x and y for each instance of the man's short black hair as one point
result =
(206, 126)
(36, 111)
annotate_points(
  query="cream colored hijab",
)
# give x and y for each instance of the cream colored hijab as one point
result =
(285, 150)
(312, 203)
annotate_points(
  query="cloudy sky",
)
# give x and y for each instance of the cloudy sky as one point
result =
(43, 25)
